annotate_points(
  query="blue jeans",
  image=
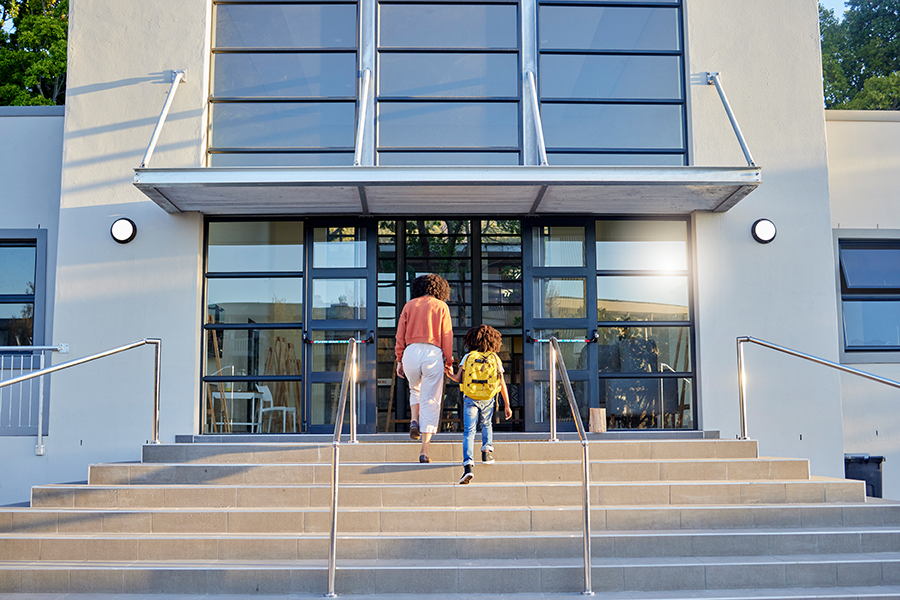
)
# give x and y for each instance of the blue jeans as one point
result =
(475, 411)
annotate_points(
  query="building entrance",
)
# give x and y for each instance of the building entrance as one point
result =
(283, 297)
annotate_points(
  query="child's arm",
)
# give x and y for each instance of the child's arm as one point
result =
(507, 411)
(457, 377)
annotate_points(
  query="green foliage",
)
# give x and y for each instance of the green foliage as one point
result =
(861, 55)
(33, 52)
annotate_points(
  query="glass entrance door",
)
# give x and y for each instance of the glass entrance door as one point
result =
(341, 305)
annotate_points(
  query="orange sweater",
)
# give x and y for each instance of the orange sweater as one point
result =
(425, 320)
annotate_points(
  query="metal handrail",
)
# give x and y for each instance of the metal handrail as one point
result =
(557, 361)
(39, 449)
(74, 363)
(177, 77)
(742, 381)
(348, 387)
(539, 128)
(713, 79)
(361, 117)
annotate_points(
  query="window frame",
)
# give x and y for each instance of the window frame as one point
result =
(867, 356)
(39, 238)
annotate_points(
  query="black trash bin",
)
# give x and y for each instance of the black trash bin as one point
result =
(864, 467)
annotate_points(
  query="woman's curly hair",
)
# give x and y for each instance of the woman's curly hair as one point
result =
(483, 338)
(430, 285)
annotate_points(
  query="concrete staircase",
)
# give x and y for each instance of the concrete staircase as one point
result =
(675, 519)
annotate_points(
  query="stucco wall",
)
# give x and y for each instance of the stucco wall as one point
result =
(864, 177)
(767, 52)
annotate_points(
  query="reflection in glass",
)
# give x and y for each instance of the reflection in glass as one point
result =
(245, 246)
(642, 245)
(324, 399)
(453, 75)
(871, 323)
(448, 124)
(17, 267)
(274, 159)
(642, 298)
(616, 160)
(609, 28)
(871, 267)
(563, 298)
(342, 299)
(339, 247)
(558, 246)
(285, 26)
(267, 75)
(644, 349)
(17, 324)
(574, 354)
(611, 77)
(448, 26)
(563, 410)
(251, 352)
(255, 300)
(613, 126)
(283, 124)
(332, 357)
(647, 403)
(404, 159)
(253, 407)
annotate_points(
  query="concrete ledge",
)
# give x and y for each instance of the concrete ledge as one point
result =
(32, 111)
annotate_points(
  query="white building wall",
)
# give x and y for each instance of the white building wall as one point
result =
(30, 162)
(767, 52)
(107, 295)
(864, 177)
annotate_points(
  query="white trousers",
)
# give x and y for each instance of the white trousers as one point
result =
(424, 368)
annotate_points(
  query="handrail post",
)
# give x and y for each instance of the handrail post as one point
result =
(361, 116)
(553, 358)
(742, 385)
(354, 374)
(536, 113)
(39, 448)
(177, 77)
(713, 79)
(157, 356)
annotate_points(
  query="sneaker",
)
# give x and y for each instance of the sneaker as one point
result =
(486, 457)
(467, 475)
(414, 430)
(423, 458)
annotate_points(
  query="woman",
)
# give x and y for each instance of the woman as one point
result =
(424, 350)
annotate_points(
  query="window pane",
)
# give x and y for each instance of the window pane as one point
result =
(342, 299)
(448, 124)
(609, 28)
(240, 411)
(560, 298)
(243, 352)
(255, 300)
(642, 298)
(647, 403)
(871, 323)
(331, 357)
(283, 125)
(644, 349)
(17, 267)
(642, 245)
(247, 246)
(558, 246)
(449, 75)
(272, 159)
(616, 160)
(405, 159)
(339, 247)
(286, 26)
(572, 348)
(611, 77)
(324, 400)
(501, 316)
(448, 26)
(563, 410)
(267, 75)
(613, 126)
(877, 268)
(17, 324)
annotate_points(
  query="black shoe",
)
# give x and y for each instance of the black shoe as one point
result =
(414, 430)
(467, 475)
(423, 458)
(486, 458)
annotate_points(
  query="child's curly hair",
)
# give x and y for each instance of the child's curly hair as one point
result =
(430, 285)
(483, 338)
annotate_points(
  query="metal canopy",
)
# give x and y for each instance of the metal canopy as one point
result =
(522, 190)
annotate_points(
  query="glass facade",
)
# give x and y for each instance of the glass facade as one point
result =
(870, 294)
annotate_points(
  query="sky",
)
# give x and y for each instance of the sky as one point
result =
(836, 5)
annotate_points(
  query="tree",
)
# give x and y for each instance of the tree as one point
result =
(33, 52)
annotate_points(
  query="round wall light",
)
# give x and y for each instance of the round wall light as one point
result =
(123, 230)
(763, 231)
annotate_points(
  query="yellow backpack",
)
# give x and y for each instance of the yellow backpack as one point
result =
(481, 375)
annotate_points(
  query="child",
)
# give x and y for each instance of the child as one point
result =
(486, 340)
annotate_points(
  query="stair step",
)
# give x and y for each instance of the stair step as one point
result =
(541, 545)
(417, 520)
(483, 576)
(446, 451)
